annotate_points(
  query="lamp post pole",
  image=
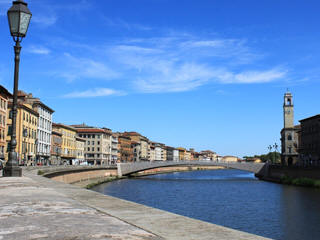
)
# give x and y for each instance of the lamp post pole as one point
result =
(12, 169)
(19, 18)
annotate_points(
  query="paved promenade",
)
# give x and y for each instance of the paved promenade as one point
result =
(33, 207)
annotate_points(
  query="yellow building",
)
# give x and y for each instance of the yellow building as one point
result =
(69, 146)
(230, 159)
(26, 132)
(182, 153)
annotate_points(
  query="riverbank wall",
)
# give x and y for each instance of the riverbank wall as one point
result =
(277, 173)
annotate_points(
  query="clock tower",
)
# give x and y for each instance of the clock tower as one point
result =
(288, 111)
(289, 136)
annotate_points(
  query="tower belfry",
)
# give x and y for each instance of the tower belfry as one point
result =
(289, 137)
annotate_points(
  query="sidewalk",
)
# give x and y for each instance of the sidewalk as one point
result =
(29, 210)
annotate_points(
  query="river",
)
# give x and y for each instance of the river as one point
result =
(230, 198)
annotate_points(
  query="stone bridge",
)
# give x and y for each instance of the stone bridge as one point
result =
(125, 169)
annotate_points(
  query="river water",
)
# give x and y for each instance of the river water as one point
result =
(230, 198)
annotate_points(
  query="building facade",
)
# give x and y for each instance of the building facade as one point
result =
(56, 144)
(97, 148)
(289, 133)
(143, 141)
(80, 145)
(182, 153)
(169, 152)
(136, 148)
(175, 155)
(26, 132)
(68, 146)
(309, 147)
(44, 128)
(126, 151)
(114, 148)
(4, 98)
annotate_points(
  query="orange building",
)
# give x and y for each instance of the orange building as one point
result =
(126, 151)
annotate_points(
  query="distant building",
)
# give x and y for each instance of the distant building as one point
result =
(289, 133)
(136, 148)
(80, 159)
(56, 143)
(230, 159)
(208, 155)
(151, 151)
(126, 151)
(159, 151)
(175, 155)
(143, 141)
(309, 148)
(68, 146)
(4, 98)
(182, 153)
(187, 156)
(169, 153)
(114, 148)
(97, 147)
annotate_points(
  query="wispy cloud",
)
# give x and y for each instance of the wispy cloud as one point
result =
(38, 50)
(177, 64)
(248, 77)
(79, 68)
(97, 92)
(123, 24)
(44, 21)
(174, 63)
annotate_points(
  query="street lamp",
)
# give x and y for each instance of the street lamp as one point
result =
(19, 18)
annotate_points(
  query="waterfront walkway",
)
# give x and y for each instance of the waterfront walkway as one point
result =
(34, 207)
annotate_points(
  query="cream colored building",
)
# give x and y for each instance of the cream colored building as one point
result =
(98, 144)
(230, 159)
(80, 142)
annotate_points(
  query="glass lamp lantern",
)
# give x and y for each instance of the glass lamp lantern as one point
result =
(19, 17)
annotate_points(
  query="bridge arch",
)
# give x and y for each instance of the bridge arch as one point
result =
(126, 169)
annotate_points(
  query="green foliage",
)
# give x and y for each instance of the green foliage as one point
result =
(303, 182)
(273, 157)
(109, 179)
(40, 172)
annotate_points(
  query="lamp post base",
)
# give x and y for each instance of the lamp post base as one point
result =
(12, 171)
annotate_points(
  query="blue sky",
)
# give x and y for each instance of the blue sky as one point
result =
(206, 74)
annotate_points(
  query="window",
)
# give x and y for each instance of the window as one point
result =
(98, 143)
(92, 148)
(98, 136)
(289, 137)
(88, 142)
(98, 149)
(92, 142)
(88, 149)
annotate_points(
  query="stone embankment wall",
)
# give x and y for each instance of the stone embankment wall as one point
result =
(276, 173)
(75, 177)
